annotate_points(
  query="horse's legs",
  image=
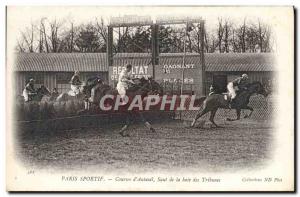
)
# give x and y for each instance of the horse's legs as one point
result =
(147, 124)
(251, 111)
(204, 111)
(212, 116)
(238, 115)
(125, 127)
(86, 105)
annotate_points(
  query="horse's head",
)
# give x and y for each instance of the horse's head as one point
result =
(43, 91)
(139, 81)
(87, 85)
(154, 87)
(83, 88)
(257, 87)
(144, 86)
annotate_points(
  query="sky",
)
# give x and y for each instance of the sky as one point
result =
(20, 17)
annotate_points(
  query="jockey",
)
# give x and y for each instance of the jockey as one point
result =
(124, 80)
(236, 84)
(75, 83)
(29, 90)
(211, 90)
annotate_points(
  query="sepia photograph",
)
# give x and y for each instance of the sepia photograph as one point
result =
(150, 98)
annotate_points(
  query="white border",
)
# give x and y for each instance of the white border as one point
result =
(3, 3)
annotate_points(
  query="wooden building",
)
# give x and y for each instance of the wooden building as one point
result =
(225, 67)
(56, 69)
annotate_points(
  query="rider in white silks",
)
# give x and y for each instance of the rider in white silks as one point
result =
(211, 90)
(235, 84)
(29, 91)
(75, 84)
(124, 80)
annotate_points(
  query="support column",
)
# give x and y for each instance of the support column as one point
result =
(203, 68)
(109, 52)
(154, 47)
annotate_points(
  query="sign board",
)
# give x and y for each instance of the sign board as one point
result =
(172, 73)
(164, 74)
(161, 20)
(130, 20)
(136, 72)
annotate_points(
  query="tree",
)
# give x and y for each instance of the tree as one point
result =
(234, 42)
(264, 35)
(241, 33)
(54, 39)
(58, 36)
(20, 46)
(102, 33)
(88, 41)
(251, 38)
(141, 40)
(220, 34)
(67, 39)
(44, 34)
(227, 31)
(27, 43)
(165, 39)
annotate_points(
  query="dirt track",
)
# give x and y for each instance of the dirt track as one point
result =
(240, 145)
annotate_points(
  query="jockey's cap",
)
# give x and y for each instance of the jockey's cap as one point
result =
(76, 72)
(31, 80)
(244, 75)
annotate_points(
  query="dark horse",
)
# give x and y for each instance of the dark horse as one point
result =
(142, 87)
(215, 101)
(39, 94)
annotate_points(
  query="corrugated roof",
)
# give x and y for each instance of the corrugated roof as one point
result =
(89, 62)
(239, 62)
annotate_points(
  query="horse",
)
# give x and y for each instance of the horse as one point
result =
(65, 96)
(141, 86)
(40, 93)
(215, 101)
(84, 90)
(90, 84)
(53, 96)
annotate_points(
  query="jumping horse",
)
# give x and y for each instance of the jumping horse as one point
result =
(142, 87)
(39, 94)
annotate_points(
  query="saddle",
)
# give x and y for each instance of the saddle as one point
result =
(72, 93)
(133, 88)
(238, 92)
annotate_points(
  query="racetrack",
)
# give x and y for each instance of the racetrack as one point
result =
(241, 145)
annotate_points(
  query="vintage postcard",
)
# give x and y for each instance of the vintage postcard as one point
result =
(150, 98)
